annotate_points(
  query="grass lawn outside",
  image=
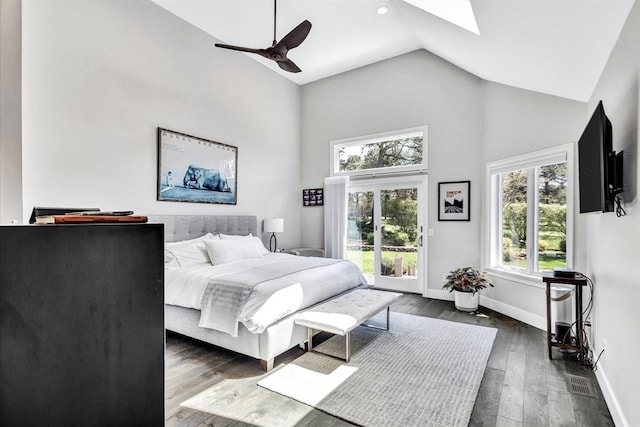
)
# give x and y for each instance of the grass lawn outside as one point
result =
(364, 259)
(545, 262)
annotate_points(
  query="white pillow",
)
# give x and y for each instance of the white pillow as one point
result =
(170, 261)
(188, 252)
(229, 250)
(260, 245)
(232, 236)
(258, 242)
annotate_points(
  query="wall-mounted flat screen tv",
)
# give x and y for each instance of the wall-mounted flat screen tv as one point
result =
(600, 169)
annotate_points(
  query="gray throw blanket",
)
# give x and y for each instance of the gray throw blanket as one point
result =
(225, 296)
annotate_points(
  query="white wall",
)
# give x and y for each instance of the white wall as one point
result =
(517, 121)
(470, 122)
(407, 91)
(10, 112)
(612, 243)
(99, 76)
(478, 122)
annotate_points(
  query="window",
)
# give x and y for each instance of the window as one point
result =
(400, 151)
(531, 211)
(386, 206)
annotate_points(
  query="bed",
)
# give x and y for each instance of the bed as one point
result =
(244, 305)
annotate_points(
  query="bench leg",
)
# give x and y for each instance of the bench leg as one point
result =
(387, 319)
(347, 346)
(368, 325)
(347, 343)
(347, 337)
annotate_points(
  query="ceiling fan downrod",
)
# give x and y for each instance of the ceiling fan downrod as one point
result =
(275, 12)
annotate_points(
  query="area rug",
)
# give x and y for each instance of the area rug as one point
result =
(422, 372)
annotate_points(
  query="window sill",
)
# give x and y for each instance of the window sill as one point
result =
(531, 279)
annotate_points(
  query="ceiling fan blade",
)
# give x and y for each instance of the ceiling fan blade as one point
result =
(288, 65)
(278, 51)
(241, 49)
(294, 37)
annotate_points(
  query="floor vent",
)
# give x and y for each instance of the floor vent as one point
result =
(580, 385)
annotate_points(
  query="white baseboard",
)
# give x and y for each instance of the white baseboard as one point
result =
(508, 310)
(439, 294)
(612, 402)
(534, 320)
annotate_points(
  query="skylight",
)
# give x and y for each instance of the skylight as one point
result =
(458, 12)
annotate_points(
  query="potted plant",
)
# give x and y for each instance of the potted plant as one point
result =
(465, 282)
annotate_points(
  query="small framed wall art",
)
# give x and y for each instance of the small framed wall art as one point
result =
(192, 169)
(454, 201)
(313, 197)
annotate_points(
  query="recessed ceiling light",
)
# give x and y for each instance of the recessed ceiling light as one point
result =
(381, 10)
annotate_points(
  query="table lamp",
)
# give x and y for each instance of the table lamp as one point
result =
(273, 226)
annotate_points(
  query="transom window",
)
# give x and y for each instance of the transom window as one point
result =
(531, 211)
(400, 151)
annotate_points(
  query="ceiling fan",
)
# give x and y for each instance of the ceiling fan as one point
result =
(278, 50)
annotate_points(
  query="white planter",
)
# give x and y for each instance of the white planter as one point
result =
(466, 301)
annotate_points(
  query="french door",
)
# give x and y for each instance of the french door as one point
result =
(386, 220)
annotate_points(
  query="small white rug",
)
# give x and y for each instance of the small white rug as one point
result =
(422, 372)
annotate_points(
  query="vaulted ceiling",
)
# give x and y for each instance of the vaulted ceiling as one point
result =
(557, 47)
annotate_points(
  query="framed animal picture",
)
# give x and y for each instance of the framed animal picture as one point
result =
(192, 169)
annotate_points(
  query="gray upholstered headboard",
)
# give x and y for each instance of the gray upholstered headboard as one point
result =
(182, 227)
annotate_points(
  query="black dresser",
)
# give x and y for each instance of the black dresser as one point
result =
(82, 325)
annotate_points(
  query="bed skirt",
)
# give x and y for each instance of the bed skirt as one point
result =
(276, 339)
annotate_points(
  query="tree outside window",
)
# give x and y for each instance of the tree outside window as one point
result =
(550, 207)
(381, 154)
(530, 212)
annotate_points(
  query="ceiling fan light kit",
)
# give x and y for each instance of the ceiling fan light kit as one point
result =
(278, 50)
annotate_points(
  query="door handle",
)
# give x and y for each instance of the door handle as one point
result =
(420, 241)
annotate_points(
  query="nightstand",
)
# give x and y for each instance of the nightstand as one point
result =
(308, 252)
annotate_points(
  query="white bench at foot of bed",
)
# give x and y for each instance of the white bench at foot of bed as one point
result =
(343, 314)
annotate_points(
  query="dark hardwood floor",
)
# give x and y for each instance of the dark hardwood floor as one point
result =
(520, 387)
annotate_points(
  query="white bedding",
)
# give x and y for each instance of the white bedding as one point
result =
(258, 291)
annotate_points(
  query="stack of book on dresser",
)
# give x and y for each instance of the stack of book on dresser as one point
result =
(84, 216)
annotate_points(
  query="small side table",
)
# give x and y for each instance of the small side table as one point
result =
(578, 281)
(307, 252)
